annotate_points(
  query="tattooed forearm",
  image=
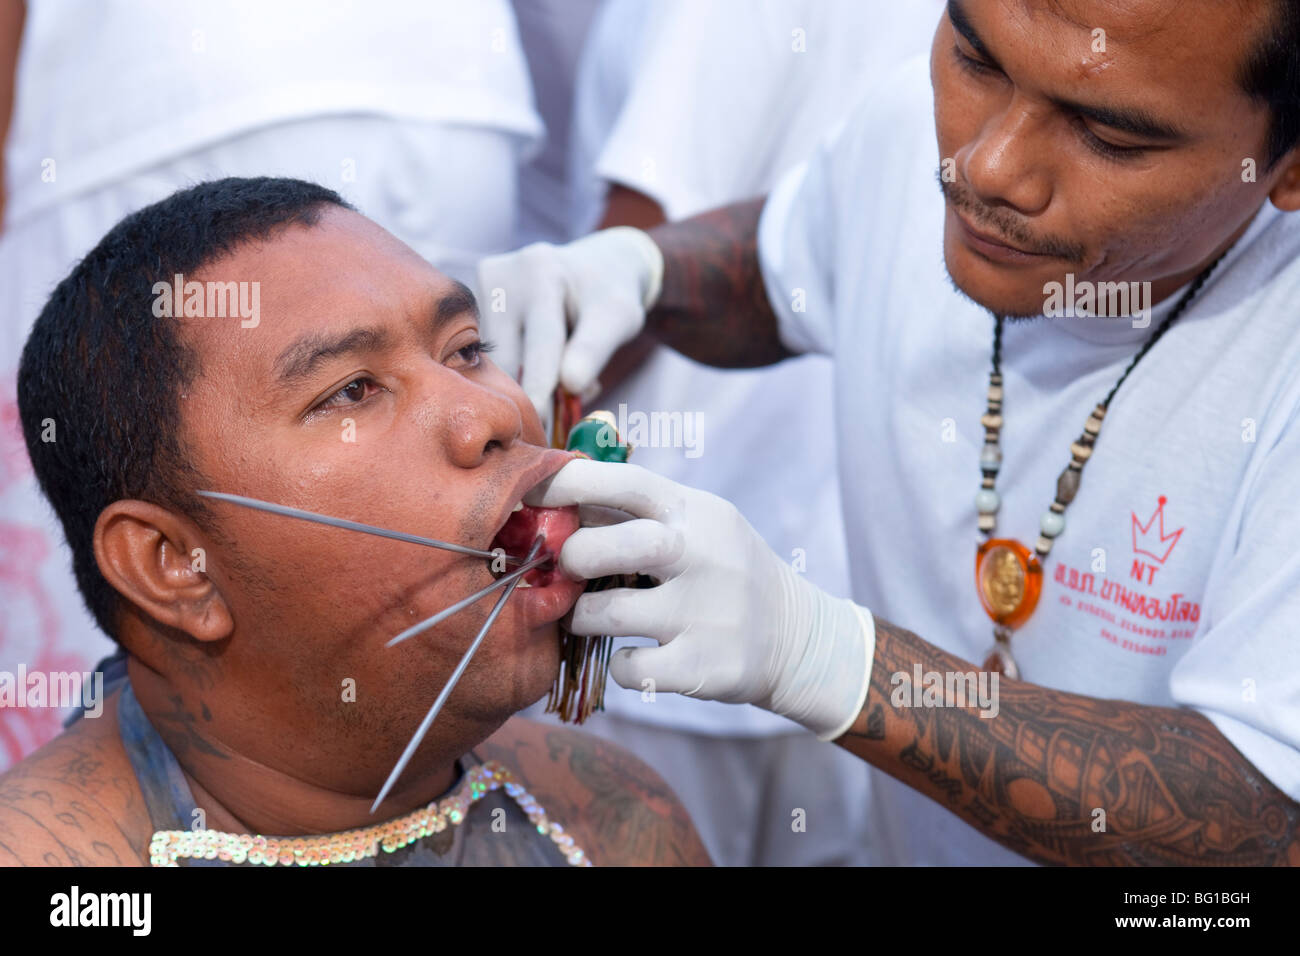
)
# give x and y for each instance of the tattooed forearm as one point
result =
(713, 307)
(1039, 775)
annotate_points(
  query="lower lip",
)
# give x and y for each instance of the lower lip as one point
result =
(550, 593)
(993, 250)
(541, 606)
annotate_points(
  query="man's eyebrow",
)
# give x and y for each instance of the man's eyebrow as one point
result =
(457, 302)
(961, 23)
(305, 355)
(1127, 119)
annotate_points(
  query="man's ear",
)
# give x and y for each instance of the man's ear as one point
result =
(1285, 193)
(145, 553)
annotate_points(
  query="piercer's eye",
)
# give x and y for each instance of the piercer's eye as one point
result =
(972, 65)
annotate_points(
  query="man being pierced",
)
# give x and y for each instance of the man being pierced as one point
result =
(1097, 505)
(260, 700)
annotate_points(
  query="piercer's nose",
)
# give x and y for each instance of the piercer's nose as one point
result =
(1005, 164)
(477, 421)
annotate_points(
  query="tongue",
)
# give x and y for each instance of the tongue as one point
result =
(517, 537)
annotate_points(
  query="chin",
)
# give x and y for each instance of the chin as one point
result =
(1016, 295)
(533, 656)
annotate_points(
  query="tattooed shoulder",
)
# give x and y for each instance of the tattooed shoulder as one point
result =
(604, 795)
(74, 802)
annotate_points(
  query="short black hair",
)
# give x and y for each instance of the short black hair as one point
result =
(1271, 74)
(107, 373)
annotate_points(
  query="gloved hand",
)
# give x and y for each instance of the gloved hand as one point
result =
(600, 286)
(734, 622)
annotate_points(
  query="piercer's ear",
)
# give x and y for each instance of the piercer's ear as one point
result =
(1285, 193)
(147, 554)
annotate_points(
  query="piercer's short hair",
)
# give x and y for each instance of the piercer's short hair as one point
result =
(1271, 75)
(107, 374)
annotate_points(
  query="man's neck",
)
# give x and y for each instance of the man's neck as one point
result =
(239, 793)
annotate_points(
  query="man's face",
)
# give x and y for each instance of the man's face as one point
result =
(1098, 138)
(361, 394)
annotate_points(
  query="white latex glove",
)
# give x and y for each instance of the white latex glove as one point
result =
(734, 622)
(600, 286)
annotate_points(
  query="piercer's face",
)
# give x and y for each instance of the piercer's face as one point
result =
(362, 393)
(1099, 138)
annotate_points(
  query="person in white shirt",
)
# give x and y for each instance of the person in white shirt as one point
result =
(1122, 470)
(681, 107)
(418, 113)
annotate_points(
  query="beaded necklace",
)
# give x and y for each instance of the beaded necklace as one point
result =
(351, 845)
(1008, 576)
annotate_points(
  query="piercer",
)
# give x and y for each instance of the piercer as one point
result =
(1098, 507)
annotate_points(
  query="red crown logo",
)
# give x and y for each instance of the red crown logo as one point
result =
(1155, 546)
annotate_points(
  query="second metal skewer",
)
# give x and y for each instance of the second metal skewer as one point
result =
(455, 677)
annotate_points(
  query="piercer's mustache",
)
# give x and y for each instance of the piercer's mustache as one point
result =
(1002, 223)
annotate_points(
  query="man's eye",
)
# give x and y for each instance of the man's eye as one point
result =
(350, 394)
(1106, 148)
(472, 353)
(970, 64)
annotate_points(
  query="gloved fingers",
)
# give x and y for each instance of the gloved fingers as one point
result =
(601, 328)
(626, 487)
(543, 345)
(624, 612)
(598, 516)
(638, 546)
(672, 668)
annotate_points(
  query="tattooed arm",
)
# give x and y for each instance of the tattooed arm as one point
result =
(616, 808)
(713, 305)
(1174, 790)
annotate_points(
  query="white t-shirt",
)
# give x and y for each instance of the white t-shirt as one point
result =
(1189, 497)
(698, 105)
(553, 33)
(104, 89)
(701, 104)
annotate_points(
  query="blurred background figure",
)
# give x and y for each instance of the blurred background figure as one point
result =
(419, 112)
(679, 107)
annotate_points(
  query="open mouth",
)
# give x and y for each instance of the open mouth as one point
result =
(521, 529)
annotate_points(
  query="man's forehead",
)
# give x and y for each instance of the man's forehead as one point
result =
(1192, 30)
(1145, 51)
(343, 270)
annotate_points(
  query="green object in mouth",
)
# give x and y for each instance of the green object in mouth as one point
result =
(597, 437)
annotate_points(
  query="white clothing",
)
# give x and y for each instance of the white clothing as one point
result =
(553, 33)
(106, 89)
(696, 106)
(1188, 498)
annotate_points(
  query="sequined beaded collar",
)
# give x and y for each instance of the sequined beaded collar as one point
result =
(167, 846)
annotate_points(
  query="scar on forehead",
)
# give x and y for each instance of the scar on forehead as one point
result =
(1091, 66)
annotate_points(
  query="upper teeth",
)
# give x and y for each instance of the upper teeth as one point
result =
(518, 507)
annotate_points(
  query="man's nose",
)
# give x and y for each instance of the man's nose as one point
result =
(1007, 164)
(476, 420)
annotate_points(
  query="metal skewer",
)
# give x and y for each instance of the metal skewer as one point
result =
(503, 581)
(288, 512)
(452, 681)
